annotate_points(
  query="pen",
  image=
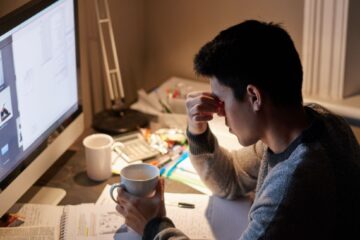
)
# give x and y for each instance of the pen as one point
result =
(162, 170)
(181, 204)
(180, 159)
(163, 163)
(186, 205)
(155, 163)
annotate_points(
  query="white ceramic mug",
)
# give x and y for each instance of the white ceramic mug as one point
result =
(137, 179)
(98, 149)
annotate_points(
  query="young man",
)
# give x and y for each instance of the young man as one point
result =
(302, 161)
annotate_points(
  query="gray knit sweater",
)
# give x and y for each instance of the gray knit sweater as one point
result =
(309, 191)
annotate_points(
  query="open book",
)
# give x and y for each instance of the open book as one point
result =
(90, 221)
(84, 221)
(211, 218)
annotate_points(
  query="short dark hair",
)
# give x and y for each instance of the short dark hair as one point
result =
(257, 53)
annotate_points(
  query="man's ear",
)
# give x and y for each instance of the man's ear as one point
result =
(254, 97)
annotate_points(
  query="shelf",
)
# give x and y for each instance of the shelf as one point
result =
(348, 108)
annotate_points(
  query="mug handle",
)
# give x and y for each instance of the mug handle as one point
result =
(112, 188)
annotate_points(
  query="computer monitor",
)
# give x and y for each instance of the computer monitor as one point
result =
(40, 115)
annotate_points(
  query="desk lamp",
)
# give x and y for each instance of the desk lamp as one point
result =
(119, 118)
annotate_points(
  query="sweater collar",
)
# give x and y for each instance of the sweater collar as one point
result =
(307, 135)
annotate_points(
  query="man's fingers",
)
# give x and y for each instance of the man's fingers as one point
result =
(122, 194)
(159, 191)
(126, 207)
(202, 109)
(162, 188)
(198, 93)
(132, 219)
(202, 100)
(130, 210)
(202, 118)
(121, 210)
(135, 224)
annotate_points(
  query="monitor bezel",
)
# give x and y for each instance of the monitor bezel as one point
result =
(8, 22)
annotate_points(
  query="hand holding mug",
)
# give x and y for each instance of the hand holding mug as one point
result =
(138, 211)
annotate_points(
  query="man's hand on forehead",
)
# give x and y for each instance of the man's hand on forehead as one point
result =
(220, 105)
(201, 106)
(221, 109)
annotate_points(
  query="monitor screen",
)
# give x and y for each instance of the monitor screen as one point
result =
(38, 81)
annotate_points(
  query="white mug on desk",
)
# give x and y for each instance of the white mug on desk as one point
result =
(98, 149)
(138, 179)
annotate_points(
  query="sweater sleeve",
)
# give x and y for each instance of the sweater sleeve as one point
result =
(161, 229)
(226, 174)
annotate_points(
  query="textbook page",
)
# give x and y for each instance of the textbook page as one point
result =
(88, 221)
(192, 221)
(40, 222)
(40, 214)
(84, 221)
(29, 233)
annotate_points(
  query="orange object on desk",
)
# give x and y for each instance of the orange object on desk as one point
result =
(155, 162)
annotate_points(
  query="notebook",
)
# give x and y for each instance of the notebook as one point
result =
(211, 218)
(84, 221)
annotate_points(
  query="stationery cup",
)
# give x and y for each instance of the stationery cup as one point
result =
(137, 179)
(98, 148)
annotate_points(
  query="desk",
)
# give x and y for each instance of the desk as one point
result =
(69, 173)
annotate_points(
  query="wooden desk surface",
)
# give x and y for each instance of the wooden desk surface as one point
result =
(69, 173)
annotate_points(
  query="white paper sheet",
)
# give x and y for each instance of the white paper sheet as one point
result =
(28, 233)
(193, 222)
(96, 222)
(212, 217)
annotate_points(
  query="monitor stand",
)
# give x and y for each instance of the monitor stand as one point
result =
(47, 195)
(39, 195)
